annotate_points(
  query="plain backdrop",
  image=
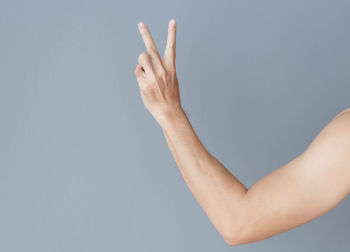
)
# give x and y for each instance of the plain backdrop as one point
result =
(85, 167)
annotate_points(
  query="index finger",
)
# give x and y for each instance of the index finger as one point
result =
(148, 40)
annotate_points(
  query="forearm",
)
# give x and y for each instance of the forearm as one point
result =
(216, 190)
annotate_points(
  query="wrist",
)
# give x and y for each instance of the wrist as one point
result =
(172, 118)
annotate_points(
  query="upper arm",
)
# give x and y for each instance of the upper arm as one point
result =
(301, 190)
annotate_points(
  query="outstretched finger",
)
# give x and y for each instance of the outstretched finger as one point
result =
(170, 49)
(149, 43)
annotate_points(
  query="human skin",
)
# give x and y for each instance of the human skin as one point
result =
(311, 184)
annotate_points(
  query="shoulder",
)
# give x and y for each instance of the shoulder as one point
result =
(336, 131)
(330, 149)
(343, 117)
(339, 127)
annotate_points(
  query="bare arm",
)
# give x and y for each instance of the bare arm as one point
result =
(301, 190)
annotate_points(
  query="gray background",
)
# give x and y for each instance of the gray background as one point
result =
(85, 167)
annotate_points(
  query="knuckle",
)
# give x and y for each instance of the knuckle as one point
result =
(142, 57)
(162, 75)
(171, 72)
(172, 69)
(136, 72)
(172, 45)
(153, 48)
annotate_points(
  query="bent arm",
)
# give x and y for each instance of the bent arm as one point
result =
(300, 191)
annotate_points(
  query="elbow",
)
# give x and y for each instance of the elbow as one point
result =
(237, 229)
(234, 236)
(234, 239)
(237, 235)
(243, 235)
(231, 242)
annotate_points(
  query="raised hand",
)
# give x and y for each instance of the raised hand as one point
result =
(156, 76)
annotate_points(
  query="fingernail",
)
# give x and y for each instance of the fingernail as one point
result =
(142, 25)
(172, 22)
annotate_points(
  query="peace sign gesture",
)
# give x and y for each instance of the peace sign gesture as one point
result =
(156, 76)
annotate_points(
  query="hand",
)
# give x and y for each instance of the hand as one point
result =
(156, 77)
